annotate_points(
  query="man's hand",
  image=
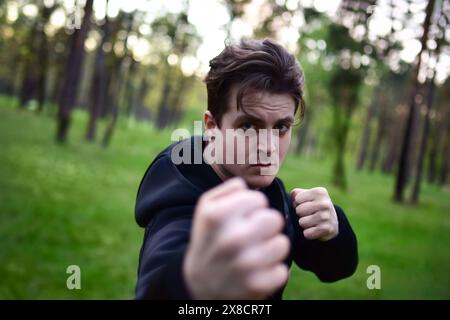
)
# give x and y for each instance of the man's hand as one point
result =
(316, 212)
(237, 248)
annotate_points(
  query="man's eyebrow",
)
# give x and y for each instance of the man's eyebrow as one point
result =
(287, 119)
(248, 117)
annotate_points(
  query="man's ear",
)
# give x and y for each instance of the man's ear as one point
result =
(209, 121)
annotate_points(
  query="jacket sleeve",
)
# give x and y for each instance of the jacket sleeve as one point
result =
(161, 258)
(330, 260)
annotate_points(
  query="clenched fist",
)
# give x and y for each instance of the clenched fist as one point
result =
(316, 212)
(237, 247)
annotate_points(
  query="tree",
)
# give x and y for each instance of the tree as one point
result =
(72, 75)
(43, 54)
(184, 40)
(98, 94)
(439, 37)
(439, 135)
(119, 70)
(407, 147)
(445, 154)
(29, 78)
(365, 141)
(344, 86)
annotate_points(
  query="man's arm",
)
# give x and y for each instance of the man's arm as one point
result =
(162, 254)
(330, 260)
(235, 249)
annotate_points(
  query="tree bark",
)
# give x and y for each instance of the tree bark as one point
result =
(72, 75)
(445, 156)
(99, 82)
(406, 151)
(116, 85)
(365, 141)
(163, 105)
(302, 133)
(423, 144)
(46, 12)
(432, 155)
(29, 78)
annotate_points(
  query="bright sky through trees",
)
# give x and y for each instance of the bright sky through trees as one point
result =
(211, 18)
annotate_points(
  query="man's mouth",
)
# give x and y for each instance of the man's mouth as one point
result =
(261, 165)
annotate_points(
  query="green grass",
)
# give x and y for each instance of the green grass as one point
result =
(63, 205)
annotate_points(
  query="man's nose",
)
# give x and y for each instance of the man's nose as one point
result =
(268, 142)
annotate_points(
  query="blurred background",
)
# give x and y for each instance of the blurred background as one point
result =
(90, 92)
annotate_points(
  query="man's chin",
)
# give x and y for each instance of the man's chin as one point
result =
(259, 181)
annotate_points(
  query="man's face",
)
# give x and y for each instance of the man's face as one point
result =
(259, 133)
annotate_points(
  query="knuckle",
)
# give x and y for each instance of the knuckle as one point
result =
(307, 234)
(283, 243)
(227, 245)
(259, 198)
(232, 243)
(209, 216)
(245, 264)
(325, 203)
(302, 222)
(253, 287)
(324, 215)
(284, 274)
(326, 228)
(332, 228)
(276, 220)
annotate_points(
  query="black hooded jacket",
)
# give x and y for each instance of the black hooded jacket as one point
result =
(165, 205)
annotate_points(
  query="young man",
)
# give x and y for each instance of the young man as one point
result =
(228, 229)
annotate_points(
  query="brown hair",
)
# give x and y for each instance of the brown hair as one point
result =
(253, 65)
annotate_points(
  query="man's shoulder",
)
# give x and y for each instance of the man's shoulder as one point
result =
(162, 187)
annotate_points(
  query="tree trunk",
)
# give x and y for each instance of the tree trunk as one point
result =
(130, 89)
(394, 125)
(445, 156)
(423, 144)
(376, 148)
(72, 75)
(183, 85)
(111, 126)
(381, 130)
(15, 72)
(99, 89)
(432, 155)
(42, 82)
(407, 147)
(302, 133)
(113, 101)
(139, 97)
(46, 12)
(341, 126)
(163, 106)
(29, 78)
(116, 84)
(365, 141)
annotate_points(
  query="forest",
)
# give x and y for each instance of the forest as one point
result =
(91, 90)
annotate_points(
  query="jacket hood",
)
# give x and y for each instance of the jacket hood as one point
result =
(164, 186)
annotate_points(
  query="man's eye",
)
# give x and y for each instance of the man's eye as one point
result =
(246, 126)
(282, 128)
